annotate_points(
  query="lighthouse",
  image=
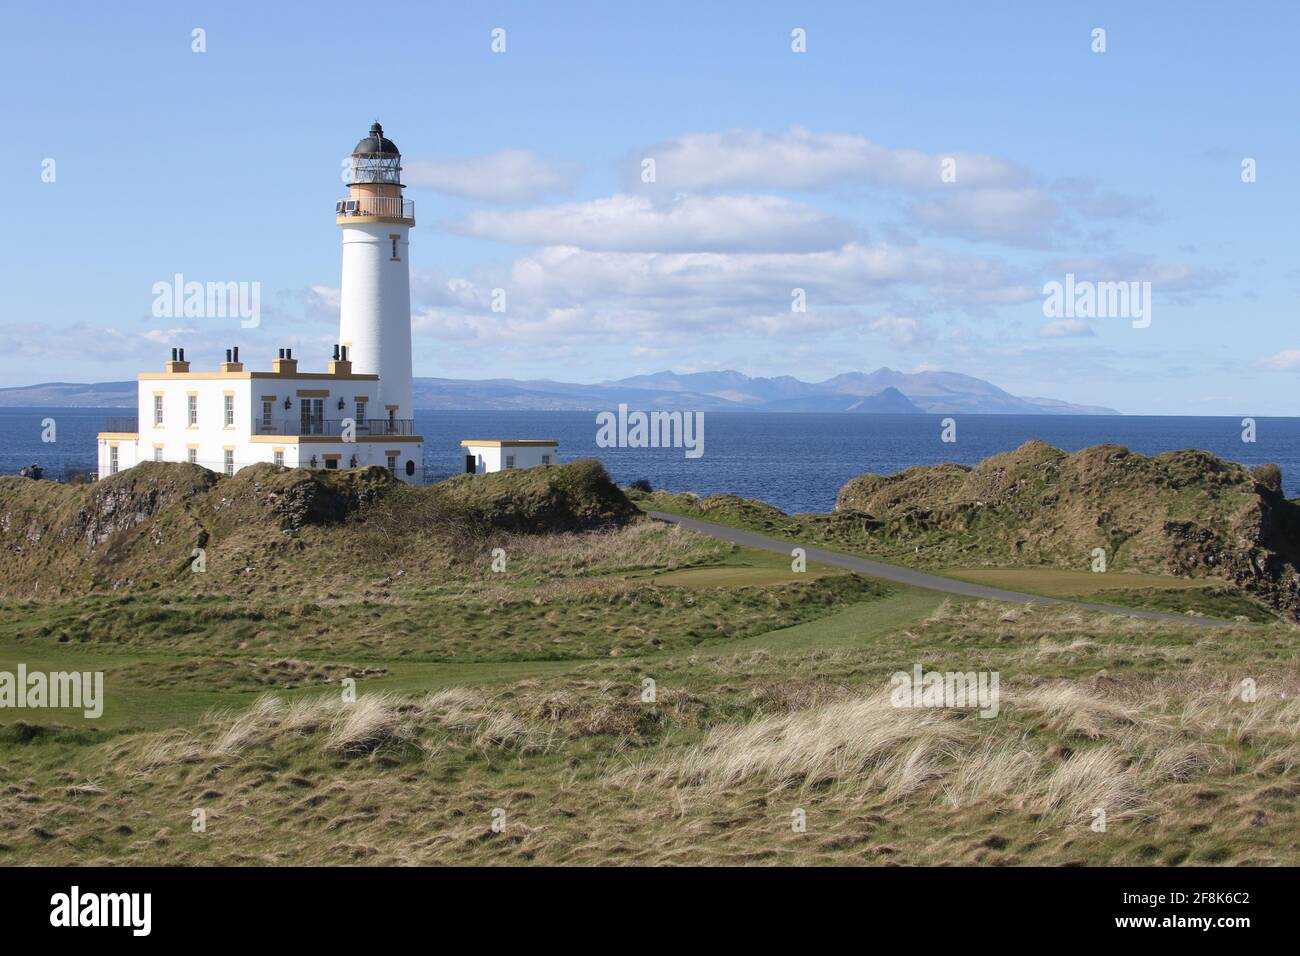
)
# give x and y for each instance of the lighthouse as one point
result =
(356, 413)
(375, 292)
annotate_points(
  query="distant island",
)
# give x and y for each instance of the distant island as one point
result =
(884, 391)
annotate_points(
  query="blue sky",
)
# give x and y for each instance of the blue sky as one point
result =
(775, 170)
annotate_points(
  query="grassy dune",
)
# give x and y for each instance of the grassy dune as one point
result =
(1142, 720)
(504, 716)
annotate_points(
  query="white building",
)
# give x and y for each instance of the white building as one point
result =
(356, 413)
(484, 455)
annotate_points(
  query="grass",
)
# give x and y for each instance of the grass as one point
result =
(1209, 597)
(634, 694)
(1141, 719)
(1177, 516)
(1202, 597)
(1055, 582)
(562, 600)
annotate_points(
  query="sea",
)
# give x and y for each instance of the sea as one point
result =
(795, 461)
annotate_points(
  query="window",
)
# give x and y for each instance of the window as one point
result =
(230, 461)
(510, 461)
(192, 456)
(157, 454)
(394, 239)
(192, 406)
(410, 468)
(392, 463)
(112, 460)
(266, 415)
(546, 459)
(157, 410)
(279, 459)
(230, 410)
(361, 413)
(312, 412)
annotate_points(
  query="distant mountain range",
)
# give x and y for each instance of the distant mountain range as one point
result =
(883, 391)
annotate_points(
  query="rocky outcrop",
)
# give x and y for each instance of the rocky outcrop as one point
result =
(1185, 513)
(141, 528)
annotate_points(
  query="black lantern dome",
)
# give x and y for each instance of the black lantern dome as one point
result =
(376, 144)
(376, 159)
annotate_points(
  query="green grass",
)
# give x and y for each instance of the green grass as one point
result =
(587, 773)
(859, 626)
(522, 690)
(169, 660)
(1212, 598)
(1055, 582)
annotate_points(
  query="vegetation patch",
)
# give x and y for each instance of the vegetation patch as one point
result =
(1183, 514)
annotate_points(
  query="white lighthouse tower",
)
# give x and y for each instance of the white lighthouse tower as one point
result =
(375, 296)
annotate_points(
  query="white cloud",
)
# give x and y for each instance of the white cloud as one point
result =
(1089, 201)
(1286, 359)
(1065, 329)
(166, 336)
(905, 332)
(800, 159)
(562, 298)
(1023, 216)
(625, 223)
(1165, 277)
(510, 175)
(323, 296)
(846, 276)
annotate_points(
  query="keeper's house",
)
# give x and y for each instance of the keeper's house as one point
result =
(484, 455)
(228, 418)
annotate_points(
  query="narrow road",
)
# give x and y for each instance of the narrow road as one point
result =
(908, 576)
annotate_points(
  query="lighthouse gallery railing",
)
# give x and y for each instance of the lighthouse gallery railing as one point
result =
(334, 427)
(389, 207)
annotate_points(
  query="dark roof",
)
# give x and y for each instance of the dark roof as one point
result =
(375, 143)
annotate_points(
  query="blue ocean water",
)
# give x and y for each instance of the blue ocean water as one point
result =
(795, 461)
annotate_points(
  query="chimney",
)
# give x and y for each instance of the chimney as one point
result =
(232, 363)
(178, 363)
(340, 365)
(286, 364)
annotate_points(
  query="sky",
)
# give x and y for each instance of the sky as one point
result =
(900, 192)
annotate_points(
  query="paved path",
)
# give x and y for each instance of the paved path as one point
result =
(908, 576)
